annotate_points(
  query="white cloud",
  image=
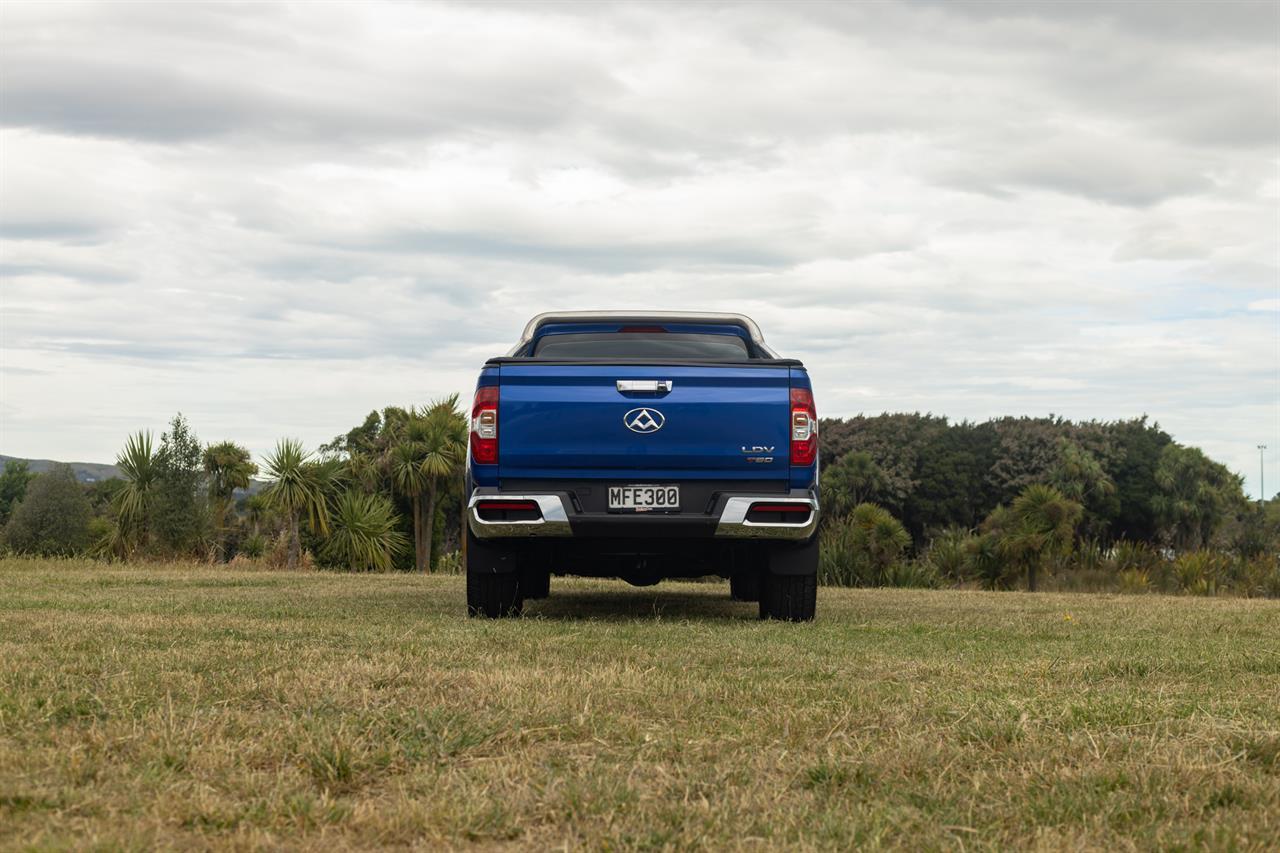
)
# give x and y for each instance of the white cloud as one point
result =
(276, 218)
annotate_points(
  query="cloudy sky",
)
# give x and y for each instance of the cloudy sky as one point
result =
(276, 218)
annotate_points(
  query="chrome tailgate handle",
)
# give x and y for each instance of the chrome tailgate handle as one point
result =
(653, 386)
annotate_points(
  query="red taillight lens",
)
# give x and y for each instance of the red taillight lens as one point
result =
(484, 425)
(792, 508)
(804, 427)
(507, 505)
(767, 513)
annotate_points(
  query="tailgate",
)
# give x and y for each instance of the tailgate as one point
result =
(724, 422)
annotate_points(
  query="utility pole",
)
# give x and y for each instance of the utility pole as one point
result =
(1262, 474)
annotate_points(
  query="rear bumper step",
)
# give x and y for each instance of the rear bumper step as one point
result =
(499, 515)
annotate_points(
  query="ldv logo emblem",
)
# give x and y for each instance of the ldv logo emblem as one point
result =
(644, 420)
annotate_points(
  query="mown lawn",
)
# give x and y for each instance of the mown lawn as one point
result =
(194, 706)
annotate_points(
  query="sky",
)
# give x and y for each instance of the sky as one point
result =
(276, 218)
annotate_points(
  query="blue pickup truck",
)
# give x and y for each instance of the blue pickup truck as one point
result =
(643, 446)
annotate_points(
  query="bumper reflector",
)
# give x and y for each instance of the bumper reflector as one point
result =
(768, 513)
(499, 510)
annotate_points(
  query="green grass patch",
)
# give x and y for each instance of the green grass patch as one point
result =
(182, 706)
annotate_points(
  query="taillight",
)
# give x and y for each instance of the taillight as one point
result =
(484, 425)
(804, 427)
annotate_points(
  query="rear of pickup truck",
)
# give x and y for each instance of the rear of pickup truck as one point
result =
(643, 446)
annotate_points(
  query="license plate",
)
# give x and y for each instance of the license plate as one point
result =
(644, 498)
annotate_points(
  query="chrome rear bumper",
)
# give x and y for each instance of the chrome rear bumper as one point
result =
(557, 520)
(734, 524)
(554, 520)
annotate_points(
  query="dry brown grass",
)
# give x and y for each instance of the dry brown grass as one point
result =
(197, 706)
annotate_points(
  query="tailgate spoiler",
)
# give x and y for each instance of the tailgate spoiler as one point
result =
(497, 361)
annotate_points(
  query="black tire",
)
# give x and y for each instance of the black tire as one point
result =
(789, 585)
(745, 586)
(494, 596)
(791, 598)
(493, 585)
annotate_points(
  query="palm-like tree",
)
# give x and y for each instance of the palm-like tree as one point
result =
(363, 468)
(405, 463)
(229, 467)
(854, 479)
(297, 489)
(880, 536)
(1193, 495)
(257, 506)
(446, 449)
(1039, 523)
(141, 473)
(429, 448)
(364, 534)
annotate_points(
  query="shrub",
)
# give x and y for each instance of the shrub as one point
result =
(1259, 577)
(52, 519)
(918, 574)
(1201, 572)
(1133, 581)
(450, 563)
(1090, 556)
(988, 561)
(364, 534)
(950, 555)
(860, 550)
(254, 545)
(1127, 554)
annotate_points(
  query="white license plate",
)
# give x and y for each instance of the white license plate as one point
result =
(644, 497)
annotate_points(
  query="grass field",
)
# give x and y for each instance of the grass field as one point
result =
(181, 706)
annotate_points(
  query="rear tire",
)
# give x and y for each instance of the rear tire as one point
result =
(493, 585)
(791, 598)
(789, 585)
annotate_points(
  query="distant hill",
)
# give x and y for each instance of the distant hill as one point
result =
(86, 472)
(92, 472)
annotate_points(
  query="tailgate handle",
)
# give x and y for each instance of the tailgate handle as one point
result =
(650, 385)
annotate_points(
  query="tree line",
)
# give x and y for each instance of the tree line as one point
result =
(908, 499)
(384, 496)
(912, 499)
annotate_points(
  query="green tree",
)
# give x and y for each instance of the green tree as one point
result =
(1138, 448)
(951, 487)
(1040, 523)
(297, 489)
(1080, 477)
(228, 467)
(13, 485)
(179, 510)
(53, 517)
(1194, 495)
(363, 533)
(134, 503)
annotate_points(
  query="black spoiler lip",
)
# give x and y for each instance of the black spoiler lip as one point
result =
(497, 361)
